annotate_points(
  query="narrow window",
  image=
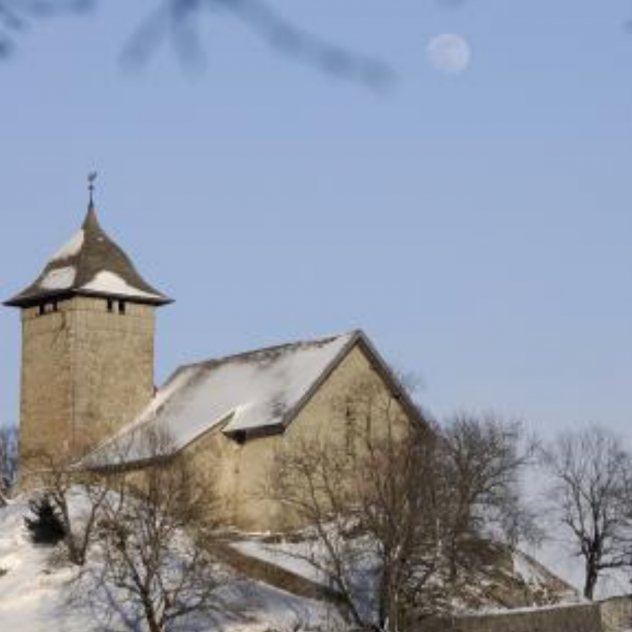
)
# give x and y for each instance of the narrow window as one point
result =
(122, 307)
(110, 305)
(42, 309)
(350, 438)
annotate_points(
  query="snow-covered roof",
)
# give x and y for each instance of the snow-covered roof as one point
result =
(89, 264)
(254, 392)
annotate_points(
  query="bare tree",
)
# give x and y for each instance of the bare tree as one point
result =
(371, 502)
(8, 458)
(149, 526)
(153, 529)
(77, 495)
(590, 472)
(179, 20)
(484, 459)
(417, 503)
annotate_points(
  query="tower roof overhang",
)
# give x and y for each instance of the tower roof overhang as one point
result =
(90, 264)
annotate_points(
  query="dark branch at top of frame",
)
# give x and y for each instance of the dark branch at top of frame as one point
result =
(178, 21)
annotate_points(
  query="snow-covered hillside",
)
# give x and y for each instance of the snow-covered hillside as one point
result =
(506, 581)
(39, 596)
(35, 591)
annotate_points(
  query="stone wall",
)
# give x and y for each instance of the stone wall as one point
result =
(46, 406)
(613, 615)
(580, 618)
(616, 614)
(86, 370)
(113, 366)
(242, 471)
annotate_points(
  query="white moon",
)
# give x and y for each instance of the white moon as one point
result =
(449, 53)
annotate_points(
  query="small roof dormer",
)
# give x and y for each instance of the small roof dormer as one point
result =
(90, 264)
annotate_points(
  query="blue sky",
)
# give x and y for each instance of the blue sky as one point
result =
(476, 226)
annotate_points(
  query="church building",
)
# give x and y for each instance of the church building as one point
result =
(87, 380)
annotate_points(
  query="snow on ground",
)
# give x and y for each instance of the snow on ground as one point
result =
(34, 596)
(295, 557)
(291, 557)
(535, 575)
(30, 596)
(33, 592)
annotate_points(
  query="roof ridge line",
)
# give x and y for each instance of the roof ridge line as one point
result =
(234, 356)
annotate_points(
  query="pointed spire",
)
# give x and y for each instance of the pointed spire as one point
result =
(91, 179)
(91, 222)
(90, 264)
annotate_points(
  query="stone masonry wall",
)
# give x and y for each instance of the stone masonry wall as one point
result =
(113, 367)
(46, 407)
(85, 372)
(613, 615)
(579, 618)
(242, 471)
(616, 614)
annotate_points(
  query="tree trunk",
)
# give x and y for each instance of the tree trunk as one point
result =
(592, 575)
(150, 617)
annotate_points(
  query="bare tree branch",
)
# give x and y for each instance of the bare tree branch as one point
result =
(154, 528)
(372, 503)
(590, 482)
(178, 21)
(484, 457)
(64, 483)
(8, 458)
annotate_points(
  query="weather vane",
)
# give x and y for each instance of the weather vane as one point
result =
(91, 178)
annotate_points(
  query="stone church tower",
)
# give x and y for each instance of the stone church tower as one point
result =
(88, 325)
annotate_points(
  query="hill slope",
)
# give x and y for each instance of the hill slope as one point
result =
(275, 587)
(35, 592)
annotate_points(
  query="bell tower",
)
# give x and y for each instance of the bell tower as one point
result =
(88, 327)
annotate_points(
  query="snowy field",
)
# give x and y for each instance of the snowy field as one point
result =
(34, 591)
(36, 596)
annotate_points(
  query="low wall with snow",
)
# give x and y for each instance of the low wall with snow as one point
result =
(580, 618)
(616, 614)
(613, 615)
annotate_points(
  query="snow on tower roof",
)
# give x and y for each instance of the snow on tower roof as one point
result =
(258, 392)
(90, 264)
